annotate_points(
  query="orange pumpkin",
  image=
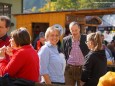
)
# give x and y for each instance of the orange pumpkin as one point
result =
(107, 80)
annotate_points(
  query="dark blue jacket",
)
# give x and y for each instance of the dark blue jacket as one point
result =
(67, 45)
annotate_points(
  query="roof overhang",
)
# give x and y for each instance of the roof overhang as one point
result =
(86, 12)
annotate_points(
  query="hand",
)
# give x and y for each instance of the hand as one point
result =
(82, 83)
(2, 52)
(47, 79)
(9, 51)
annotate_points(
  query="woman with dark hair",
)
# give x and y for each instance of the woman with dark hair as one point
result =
(24, 62)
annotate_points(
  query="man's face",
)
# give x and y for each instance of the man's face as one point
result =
(75, 30)
(3, 29)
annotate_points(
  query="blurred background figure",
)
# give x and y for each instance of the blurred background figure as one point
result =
(111, 46)
(39, 41)
(108, 52)
(5, 23)
(107, 36)
(4, 27)
(114, 37)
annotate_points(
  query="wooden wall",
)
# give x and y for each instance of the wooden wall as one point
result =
(26, 20)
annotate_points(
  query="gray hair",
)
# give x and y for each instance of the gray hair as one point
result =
(72, 24)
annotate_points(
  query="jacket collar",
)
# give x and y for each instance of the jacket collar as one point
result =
(49, 44)
(4, 37)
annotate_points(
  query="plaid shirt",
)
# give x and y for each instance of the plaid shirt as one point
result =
(76, 57)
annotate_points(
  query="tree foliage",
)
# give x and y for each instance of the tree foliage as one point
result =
(67, 4)
(82, 4)
(56, 5)
(50, 6)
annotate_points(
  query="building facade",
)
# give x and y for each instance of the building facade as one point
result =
(9, 7)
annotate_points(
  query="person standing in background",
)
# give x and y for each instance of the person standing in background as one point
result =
(5, 24)
(39, 41)
(111, 46)
(74, 49)
(4, 27)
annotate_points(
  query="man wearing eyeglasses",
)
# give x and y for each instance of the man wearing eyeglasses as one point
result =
(4, 27)
(4, 38)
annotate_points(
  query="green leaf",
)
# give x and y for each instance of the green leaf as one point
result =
(53, 0)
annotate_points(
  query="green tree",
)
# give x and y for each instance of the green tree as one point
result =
(85, 4)
(67, 4)
(76, 4)
(82, 4)
(50, 6)
(103, 3)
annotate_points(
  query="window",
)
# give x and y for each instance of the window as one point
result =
(5, 9)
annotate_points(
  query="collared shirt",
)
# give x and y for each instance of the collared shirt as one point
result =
(51, 63)
(4, 41)
(76, 57)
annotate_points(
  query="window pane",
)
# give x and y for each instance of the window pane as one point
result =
(5, 9)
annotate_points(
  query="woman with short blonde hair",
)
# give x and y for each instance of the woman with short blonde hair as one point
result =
(49, 30)
(51, 65)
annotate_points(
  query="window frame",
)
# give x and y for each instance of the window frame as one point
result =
(5, 9)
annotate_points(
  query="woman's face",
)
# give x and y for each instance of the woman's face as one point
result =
(89, 44)
(12, 43)
(54, 37)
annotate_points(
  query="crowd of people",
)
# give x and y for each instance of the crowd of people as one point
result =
(77, 59)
